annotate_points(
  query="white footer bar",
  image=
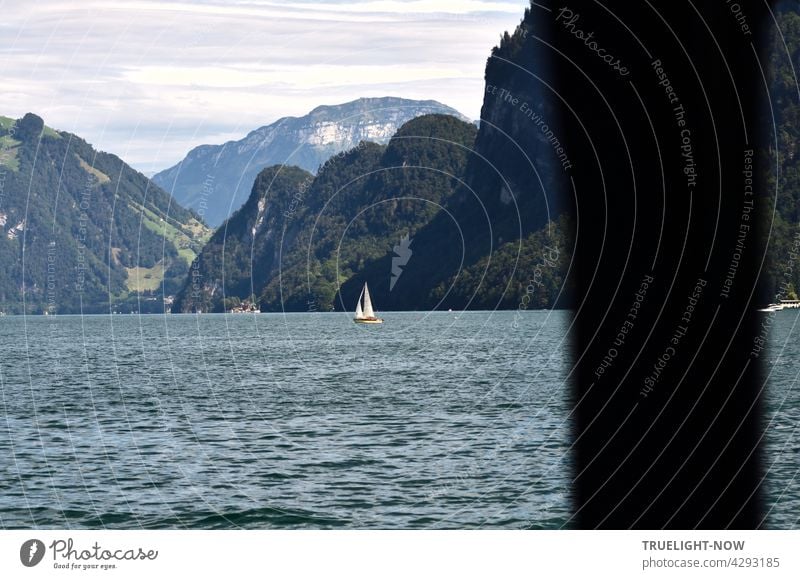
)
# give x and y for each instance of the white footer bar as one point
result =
(401, 554)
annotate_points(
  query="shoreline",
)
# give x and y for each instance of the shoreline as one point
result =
(245, 314)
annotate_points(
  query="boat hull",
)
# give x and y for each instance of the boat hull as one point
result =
(368, 320)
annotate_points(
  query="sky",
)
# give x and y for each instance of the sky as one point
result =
(150, 80)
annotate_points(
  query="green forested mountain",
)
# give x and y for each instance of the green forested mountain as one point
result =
(782, 191)
(299, 237)
(389, 215)
(381, 201)
(503, 240)
(444, 215)
(80, 231)
(441, 217)
(245, 251)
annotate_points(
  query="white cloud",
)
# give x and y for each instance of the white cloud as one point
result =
(358, 11)
(314, 76)
(150, 80)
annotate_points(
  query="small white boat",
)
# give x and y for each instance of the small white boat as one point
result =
(245, 308)
(772, 308)
(365, 315)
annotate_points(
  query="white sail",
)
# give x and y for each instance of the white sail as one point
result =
(368, 313)
(359, 311)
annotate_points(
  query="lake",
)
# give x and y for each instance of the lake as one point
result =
(443, 420)
(438, 420)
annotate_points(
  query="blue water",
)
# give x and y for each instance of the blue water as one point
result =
(285, 421)
(782, 422)
(438, 420)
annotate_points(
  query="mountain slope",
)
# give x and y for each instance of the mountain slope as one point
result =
(299, 237)
(245, 249)
(505, 240)
(491, 229)
(781, 275)
(80, 231)
(216, 179)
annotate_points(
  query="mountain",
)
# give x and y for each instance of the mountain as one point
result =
(443, 216)
(244, 251)
(781, 275)
(215, 180)
(81, 231)
(505, 240)
(521, 169)
(497, 233)
(299, 236)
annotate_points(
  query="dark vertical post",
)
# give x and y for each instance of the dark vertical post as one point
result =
(660, 107)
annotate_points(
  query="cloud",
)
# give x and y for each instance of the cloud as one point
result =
(313, 76)
(150, 80)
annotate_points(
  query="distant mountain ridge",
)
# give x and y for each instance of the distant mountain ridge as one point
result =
(215, 180)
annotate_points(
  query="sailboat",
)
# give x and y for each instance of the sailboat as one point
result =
(365, 315)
